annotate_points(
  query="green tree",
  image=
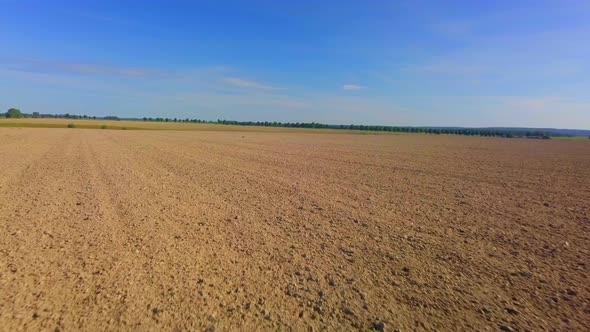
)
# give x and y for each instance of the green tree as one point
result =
(14, 113)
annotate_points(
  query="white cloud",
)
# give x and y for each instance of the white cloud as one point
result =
(248, 84)
(352, 87)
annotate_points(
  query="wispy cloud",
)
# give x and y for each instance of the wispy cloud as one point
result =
(352, 87)
(249, 84)
(49, 67)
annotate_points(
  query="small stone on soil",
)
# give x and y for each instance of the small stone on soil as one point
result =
(347, 311)
(346, 250)
(378, 325)
(512, 311)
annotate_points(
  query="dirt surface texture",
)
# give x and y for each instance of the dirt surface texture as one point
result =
(219, 231)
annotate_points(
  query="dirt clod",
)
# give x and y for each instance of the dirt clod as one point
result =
(347, 311)
(378, 325)
(512, 311)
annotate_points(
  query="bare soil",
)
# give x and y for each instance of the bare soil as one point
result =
(162, 230)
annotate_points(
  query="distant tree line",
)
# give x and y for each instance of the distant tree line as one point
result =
(187, 120)
(16, 113)
(486, 132)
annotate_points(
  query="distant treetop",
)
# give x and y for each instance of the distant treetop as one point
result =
(14, 113)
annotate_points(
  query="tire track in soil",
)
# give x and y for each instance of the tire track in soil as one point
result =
(216, 254)
(151, 272)
(23, 150)
(31, 215)
(168, 154)
(61, 222)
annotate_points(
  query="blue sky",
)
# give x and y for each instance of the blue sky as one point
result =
(449, 63)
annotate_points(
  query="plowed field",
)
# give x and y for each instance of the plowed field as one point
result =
(152, 230)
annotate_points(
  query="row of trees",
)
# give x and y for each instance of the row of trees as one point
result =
(16, 113)
(187, 120)
(397, 129)
(425, 130)
(65, 116)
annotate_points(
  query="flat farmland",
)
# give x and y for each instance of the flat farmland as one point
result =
(153, 125)
(215, 230)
